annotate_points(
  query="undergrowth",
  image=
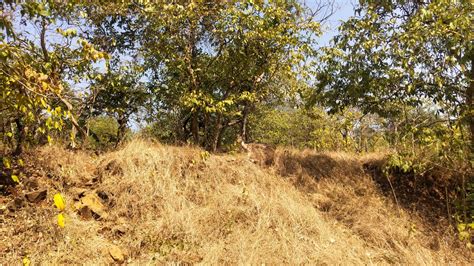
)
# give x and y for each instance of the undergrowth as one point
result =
(445, 158)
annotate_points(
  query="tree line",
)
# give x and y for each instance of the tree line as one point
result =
(211, 72)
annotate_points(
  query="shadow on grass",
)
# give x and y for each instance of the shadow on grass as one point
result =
(430, 196)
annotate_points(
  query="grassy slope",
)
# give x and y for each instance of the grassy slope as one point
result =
(173, 204)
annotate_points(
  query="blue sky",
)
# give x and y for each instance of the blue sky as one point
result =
(344, 9)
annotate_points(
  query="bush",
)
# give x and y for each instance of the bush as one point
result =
(102, 133)
(315, 129)
(439, 152)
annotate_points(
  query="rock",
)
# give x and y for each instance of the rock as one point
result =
(78, 193)
(119, 230)
(36, 196)
(31, 184)
(85, 212)
(117, 254)
(16, 204)
(103, 195)
(91, 206)
(104, 230)
(112, 168)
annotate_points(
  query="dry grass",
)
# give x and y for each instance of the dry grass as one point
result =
(172, 204)
(340, 188)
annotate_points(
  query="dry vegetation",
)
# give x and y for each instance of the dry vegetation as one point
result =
(179, 204)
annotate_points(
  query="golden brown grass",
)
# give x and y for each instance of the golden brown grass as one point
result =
(172, 204)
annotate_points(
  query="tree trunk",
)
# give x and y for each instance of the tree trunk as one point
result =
(217, 133)
(75, 125)
(470, 104)
(206, 130)
(221, 136)
(190, 57)
(21, 136)
(195, 127)
(122, 121)
(345, 136)
(243, 123)
(72, 144)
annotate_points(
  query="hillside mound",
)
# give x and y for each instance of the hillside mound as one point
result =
(150, 203)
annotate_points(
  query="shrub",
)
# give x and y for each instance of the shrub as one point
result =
(102, 133)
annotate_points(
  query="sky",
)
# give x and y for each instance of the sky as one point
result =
(344, 9)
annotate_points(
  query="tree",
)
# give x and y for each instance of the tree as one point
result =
(35, 73)
(402, 52)
(120, 94)
(103, 132)
(210, 62)
(38, 68)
